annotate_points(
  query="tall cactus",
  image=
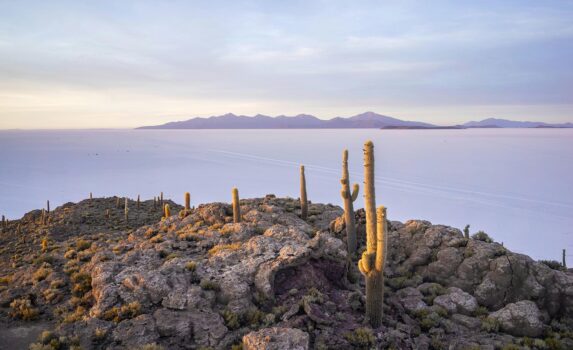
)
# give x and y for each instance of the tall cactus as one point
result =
(348, 198)
(187, 201)
(48, 206)
(236, 206)
(372, 263)
(138, 202)
(303, 199)
(126, 210)
(166, 211)
(161, 200)
(3, 221)
(564, 262)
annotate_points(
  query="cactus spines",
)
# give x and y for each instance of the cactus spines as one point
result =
(303, 199)
(564, 262)
(166, 211)
(236, 206)
(187, 201)
(348, 198)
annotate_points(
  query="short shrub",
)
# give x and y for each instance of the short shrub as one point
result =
(482, 236)
(22, 309)
(361, 338)
(490, 325)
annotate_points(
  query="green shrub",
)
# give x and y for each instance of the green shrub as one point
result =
(361, 338)
(482, 236)
(552, 264)
(490, 325)
(208, 284)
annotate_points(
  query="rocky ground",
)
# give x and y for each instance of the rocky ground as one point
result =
(196, 280)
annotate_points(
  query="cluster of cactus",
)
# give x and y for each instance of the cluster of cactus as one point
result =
(349, 197)
(371, 265)
(236, 206)
(303, 199)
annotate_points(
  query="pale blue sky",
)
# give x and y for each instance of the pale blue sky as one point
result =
(128, 63)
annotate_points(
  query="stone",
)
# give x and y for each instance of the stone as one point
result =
(521, 319)
(276, 338)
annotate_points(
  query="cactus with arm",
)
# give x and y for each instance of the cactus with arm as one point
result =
(349, 198)
(371, 265)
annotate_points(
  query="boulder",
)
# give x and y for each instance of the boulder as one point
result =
(521, 319)
(457, 301)
(276, 338)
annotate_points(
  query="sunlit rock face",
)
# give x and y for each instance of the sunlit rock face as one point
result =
(272, 281)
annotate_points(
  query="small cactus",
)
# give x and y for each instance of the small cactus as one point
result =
(154, 202)
(3, 221)
(48, 206)
(117, 205)
(107, 216)
(161, 199)
(44, 245)
(43, 217)
(138, 202)
(564, 262)
(349, 198)
(236, 206)
(303, 199)
(166, 211)
(373, 259)
(467, 232)
(91, 196)
(187, 201)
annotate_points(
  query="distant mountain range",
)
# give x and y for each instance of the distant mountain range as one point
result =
(367, 120)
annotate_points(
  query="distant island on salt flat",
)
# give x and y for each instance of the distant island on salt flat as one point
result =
(367, 120)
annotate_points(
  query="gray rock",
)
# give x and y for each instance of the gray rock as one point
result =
(136, 332)
(276, 338)
(521, 319)
(457, 301)
(411, 299)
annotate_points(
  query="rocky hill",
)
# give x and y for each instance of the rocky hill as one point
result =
(84, 278)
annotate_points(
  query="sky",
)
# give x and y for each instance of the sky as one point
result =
(116, 64)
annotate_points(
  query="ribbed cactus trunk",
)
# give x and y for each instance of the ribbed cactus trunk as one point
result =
(236, 206)
(349, 198)
(372, 263)
(187, 201)
(303, 199)
(126, 210)
(166, 211)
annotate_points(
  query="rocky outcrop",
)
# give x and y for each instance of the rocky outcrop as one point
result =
(272, 281)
